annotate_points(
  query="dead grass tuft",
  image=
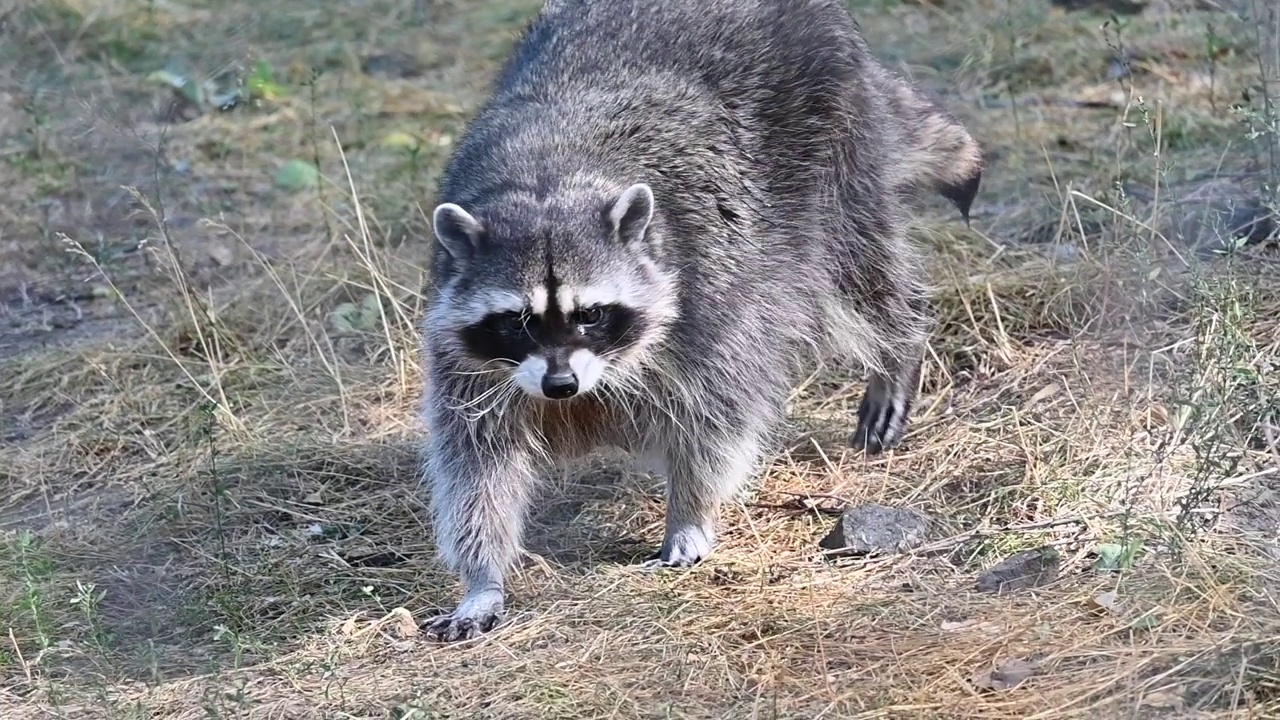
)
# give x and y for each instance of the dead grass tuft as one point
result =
(208, 379)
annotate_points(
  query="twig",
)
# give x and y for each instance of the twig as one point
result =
(799, 504)
(17, 649)
(964, 537)
(976, 533)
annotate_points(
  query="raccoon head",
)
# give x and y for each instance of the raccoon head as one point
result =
(557, 294)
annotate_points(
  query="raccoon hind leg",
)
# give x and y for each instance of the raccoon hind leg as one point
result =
(886, 295)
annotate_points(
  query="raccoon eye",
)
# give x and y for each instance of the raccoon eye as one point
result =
(588, 316)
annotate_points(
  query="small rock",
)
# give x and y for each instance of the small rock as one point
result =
(875, 528)
(1029, 568)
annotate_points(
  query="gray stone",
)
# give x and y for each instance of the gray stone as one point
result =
(875, 529)
(1029, 568)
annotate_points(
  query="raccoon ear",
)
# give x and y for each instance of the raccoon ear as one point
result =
(456, 230)
(631, 212)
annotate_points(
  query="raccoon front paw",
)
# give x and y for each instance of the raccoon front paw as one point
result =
(657, 562)
(474, 617)
(448, 628)
(682, 548)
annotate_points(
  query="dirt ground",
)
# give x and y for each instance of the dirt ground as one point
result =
(212, 253)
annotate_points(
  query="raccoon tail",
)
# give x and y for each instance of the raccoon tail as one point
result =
(938, 153)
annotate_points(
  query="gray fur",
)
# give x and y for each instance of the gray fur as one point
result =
(778, 159)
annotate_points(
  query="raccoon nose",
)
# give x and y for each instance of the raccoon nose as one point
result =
(559, 386)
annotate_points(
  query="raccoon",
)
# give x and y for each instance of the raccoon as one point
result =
(666, 213)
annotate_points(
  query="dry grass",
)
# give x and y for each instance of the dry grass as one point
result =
(211, 496)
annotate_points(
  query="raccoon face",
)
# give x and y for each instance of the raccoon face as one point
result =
(556, 295)
(558, 354)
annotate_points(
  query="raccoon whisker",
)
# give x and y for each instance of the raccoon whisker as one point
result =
(540, 447)
(620, 388)
(641, 392)
(478, 398)
(479, 373)
(620, 385)
(505, 391)
(624, 392)
(679, 385)
(505, 367)
(478, 415)
(508, 383)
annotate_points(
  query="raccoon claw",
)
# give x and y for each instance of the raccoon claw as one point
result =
(872, 442)
(682, 548)
(657, 562)
(881, 426)
(448, 628)
(474, 617)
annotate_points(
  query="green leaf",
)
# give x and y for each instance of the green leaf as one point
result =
(371, 312)
(399, 140)
(1108, 556)
(1116, 556)
(261, 84)
(350, 318)
(343, 318)
(297, 175)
